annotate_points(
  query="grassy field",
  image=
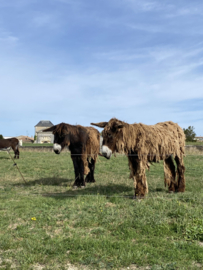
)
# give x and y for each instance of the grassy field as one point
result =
(45, 224)
(39, 144)
(194, 143)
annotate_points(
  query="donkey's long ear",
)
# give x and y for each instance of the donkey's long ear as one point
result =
(49, 129)
(101, 124)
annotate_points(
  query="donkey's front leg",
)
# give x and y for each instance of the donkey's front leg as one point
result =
(81, 171)
(77, 172)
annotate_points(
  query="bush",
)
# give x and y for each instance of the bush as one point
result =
(189, 134)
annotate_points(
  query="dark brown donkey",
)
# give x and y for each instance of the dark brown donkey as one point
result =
(84, 145)
(7, 144)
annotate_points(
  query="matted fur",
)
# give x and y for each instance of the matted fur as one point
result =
(92, 147)
(144, 144)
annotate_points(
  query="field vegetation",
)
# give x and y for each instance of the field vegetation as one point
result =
(194, 143)
(46, 224)
(38, 144)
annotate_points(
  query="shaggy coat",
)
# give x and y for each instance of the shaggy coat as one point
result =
(144, 144)
(84, 145)
(7, 144)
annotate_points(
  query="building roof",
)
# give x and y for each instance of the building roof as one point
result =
(44, 123)
(25, 138)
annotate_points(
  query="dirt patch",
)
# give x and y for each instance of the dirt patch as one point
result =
(38, 266)
(14, 226)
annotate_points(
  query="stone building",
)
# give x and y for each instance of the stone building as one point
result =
(43, 137)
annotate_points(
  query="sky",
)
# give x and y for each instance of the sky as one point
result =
(78, 62)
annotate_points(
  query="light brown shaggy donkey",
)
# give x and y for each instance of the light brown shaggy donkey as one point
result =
(144, 144)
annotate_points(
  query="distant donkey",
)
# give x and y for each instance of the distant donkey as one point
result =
(7, 144)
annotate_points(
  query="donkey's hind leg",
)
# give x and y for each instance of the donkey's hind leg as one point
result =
(180, 173)
(170, 174)
(17, 153)
(14, 150)
(90, 176)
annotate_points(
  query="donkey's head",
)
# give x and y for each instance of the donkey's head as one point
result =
(61, 136)
(112, 134)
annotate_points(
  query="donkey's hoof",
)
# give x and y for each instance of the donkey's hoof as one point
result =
(82, 186)
(75, 187)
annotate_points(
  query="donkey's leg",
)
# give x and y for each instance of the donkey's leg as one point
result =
(14, 150)
(76, 169)
(17, 152)
(81, 172)
(90, 176)
(142, 186)
(92, 168)
(139, 177)
(170, 174)
(180, 172)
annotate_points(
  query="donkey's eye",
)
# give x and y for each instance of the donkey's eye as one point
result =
(109, 135)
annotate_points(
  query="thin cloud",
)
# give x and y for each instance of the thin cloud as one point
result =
(9, 40)
(43, 20)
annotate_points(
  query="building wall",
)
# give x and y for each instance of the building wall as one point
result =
(37, 129)
(45, 136)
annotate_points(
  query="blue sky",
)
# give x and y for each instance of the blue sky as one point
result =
(80, 61)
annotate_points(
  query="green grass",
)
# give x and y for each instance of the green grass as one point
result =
(194, 143)
(100, 226)
(37, 144)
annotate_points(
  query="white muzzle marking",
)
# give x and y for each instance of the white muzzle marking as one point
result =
(106, 152)
(57, 148)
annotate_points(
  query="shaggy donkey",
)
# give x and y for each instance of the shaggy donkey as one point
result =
(84, 145)
(7, 144)
(144, 144)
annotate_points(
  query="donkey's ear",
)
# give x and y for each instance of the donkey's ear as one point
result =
(101, 124)
(49, 129)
